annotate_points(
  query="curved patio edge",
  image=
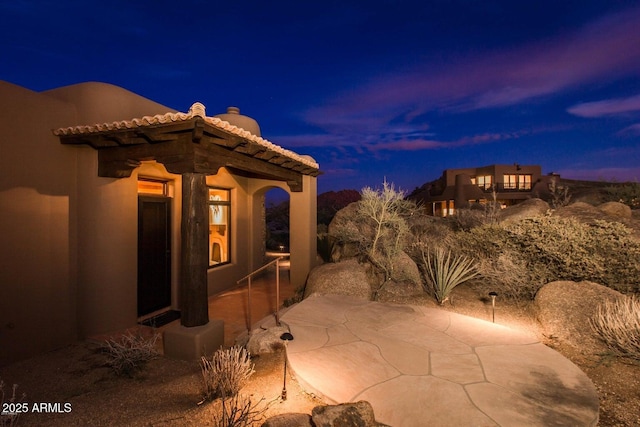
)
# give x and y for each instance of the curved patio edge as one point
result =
(426, 366)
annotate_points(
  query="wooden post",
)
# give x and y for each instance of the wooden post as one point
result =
(195, 250)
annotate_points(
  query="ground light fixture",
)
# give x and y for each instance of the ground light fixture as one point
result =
(493, 296)
(286, 337)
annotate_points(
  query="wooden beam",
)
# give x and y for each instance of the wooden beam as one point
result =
(194, 251)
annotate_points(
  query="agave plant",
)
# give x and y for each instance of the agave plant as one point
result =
(446, 271)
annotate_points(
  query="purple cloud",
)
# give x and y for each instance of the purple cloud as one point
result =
(632, 130)
(608, 48)
(606, 107)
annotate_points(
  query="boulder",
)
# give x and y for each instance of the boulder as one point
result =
(359, 414)
(346, 228)
(342, 278)
(268, 340)
(583, 212)
(527, 209)
(565, 309)
(616, 209)
(405, 280)
(289, 420)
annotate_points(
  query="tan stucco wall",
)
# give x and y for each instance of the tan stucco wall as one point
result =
(37, 253)
(69, 239)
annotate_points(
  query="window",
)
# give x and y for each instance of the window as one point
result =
(524, 182)
(484, 182)
(152, 187)
(219, 219)
(510, 182)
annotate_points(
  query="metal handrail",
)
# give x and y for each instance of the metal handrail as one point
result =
(248, 279)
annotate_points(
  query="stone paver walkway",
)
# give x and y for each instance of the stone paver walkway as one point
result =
(422, 366)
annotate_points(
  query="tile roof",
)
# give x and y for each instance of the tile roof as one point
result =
(196, 110)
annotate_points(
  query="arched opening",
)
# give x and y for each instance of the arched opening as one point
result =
(277, 223)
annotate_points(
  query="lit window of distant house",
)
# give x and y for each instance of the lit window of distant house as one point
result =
(524, 182)
(219, 219)
(510, 182)
(484, 182)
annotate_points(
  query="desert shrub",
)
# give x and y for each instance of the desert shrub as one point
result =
(628, 193)
(618, 325)
(10, 419)
(130, 352)
(227, 372)
(445, 272)
(510, 276)
(239, 411)
(466, 219)
(554, 248)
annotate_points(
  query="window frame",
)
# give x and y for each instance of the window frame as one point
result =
(227, 226)
(523, 183)
(510, 181)
(484, 181)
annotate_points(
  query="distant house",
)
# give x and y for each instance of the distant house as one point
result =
(462, 188)
(114, 207)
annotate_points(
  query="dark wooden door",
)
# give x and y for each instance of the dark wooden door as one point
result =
(154, 254)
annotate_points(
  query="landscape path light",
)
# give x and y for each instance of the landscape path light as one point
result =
(493, 296)
(285, 337)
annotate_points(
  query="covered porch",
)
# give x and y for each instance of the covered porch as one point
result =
(196, 151)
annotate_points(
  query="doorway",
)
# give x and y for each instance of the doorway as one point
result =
(154, 254)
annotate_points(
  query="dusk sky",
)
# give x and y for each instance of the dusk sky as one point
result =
(371, 89)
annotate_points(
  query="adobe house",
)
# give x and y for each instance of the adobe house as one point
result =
(114, 207)
(461, 188)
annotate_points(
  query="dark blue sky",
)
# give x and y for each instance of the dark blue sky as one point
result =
(371, 89)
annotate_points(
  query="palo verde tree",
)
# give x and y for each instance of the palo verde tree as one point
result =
(379, 228)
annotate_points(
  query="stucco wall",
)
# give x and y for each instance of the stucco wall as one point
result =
(37, 253)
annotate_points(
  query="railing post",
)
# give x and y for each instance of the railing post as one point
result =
(278, 291)
(249, 302)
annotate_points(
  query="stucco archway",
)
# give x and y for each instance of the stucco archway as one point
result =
(302, 226)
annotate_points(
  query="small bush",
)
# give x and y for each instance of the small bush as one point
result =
(10, 419)
(618, 324)
(510, 276)
(227, 372)
(446, 272)
(239, 411)
(130, 353)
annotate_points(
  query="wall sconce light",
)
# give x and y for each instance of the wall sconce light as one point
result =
(285, 337)
(493, 296)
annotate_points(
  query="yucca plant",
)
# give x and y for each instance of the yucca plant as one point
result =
(446, 271)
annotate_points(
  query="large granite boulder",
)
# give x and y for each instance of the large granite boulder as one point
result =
(345, 225)
(262, 341)
(565, 309)
(359, 414)
(289, 420)
(405, 280)
(342, 278)
(583, 212)
(527, 209)
(616, 209)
